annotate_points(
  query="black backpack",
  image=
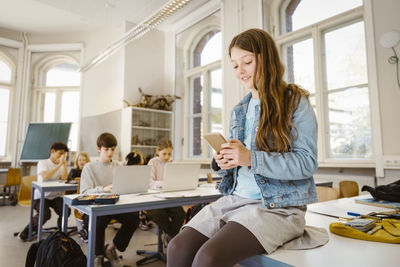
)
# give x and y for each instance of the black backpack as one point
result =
(389, 192)
(55, 251)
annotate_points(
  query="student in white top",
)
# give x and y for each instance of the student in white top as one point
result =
(170, 220)
(53, 168)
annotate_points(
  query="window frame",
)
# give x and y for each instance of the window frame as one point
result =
(191, 72)
(11, 86)
(316, 32)
(39, 88)
(199, 71)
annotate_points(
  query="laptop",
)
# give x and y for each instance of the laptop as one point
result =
(131, 179)
(180, 176)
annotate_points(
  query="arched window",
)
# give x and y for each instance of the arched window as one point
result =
(6, 86)
(297, 13)
(329, 60)
(204, 96)
(58, 94)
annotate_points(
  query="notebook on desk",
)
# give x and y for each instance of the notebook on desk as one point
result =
(379, 203)
(131, 179)
(180, 176)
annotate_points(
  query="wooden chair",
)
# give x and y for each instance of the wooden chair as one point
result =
(348, 189)
(13, 180)
(325, 193)
(25, 190)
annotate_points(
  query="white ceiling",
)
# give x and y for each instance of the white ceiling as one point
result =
(74, 15)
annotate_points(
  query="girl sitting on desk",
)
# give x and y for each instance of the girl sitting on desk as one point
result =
(267, 166)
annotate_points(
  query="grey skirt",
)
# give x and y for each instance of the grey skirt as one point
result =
(272, 227)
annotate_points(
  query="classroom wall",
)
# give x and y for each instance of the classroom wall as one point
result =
(144, 66)
(386, 18)
(103, 85)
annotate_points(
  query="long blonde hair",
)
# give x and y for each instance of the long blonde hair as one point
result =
(162, 144)
(278, 100)
(83, 154)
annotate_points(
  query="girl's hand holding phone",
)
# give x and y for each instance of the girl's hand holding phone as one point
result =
(233, 154)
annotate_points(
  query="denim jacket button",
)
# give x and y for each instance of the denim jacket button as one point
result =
(262, 181)
(271, 205)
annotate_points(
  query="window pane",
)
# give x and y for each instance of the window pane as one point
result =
(5, 72)
(197, 94)
(346, 62)
(215, 117)
(349, 124)
(4, 102)
(300, 64)
(64, 74)
(70, 107)
(208, 49)
(3, 138)
(49, 111)
(212, 50)
(216, 88)
(306, 12)
(196, 138)
(73, 137)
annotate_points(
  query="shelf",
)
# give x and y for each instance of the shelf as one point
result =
(151, 128)
(152, 110)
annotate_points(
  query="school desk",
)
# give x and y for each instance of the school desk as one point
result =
(43, 187)
(339, 251)
(132, 203)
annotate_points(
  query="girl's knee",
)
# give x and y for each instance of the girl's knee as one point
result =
(207, 257)
(174, 246)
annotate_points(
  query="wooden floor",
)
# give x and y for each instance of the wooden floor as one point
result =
(13, 251)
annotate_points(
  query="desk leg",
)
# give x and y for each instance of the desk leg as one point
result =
(31, 215)
(40, 226)
(65, 217)
(91, 239)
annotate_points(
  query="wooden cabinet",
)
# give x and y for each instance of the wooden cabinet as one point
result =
(142, 128)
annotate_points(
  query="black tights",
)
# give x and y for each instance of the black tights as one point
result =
(231, 244)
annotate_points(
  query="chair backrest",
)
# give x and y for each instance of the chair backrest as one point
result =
(325, 193)
(13, 176)
(348, 189)
(25, 189)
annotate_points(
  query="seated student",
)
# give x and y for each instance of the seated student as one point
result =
(53, 168)
(80, 162)
(137, 158)
(74, 173)
(170, 220)
(97, 177)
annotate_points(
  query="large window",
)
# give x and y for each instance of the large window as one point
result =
(329, 60)
(58, 95)
(6, 86)
(205, 93)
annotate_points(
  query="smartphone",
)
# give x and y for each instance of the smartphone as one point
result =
(215, 140)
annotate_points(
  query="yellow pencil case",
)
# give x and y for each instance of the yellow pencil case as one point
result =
(389, 233)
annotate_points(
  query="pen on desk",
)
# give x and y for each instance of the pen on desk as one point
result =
(374, 230)
(353, 213)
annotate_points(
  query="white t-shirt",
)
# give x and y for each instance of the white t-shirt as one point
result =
(47, 165)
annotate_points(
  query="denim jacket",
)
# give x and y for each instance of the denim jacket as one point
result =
(284, 180)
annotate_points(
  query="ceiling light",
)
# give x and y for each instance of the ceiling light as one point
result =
(136, 32)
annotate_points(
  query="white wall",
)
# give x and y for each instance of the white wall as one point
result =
(386, 18)
(144, 66)
(103, 85)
